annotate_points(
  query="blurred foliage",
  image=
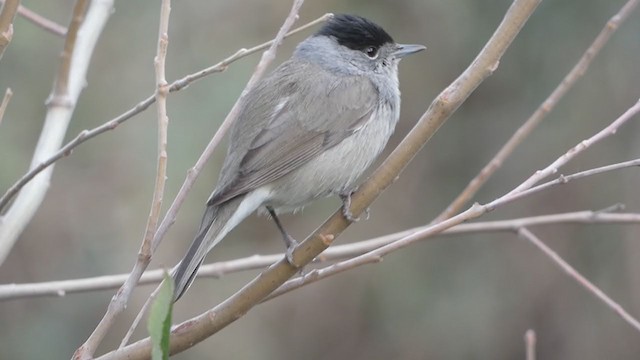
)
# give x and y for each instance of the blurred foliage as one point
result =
(470, 297)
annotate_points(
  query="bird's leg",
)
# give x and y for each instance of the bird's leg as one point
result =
(289, 241)
(345, 196)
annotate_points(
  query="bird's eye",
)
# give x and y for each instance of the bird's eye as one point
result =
(371, 52)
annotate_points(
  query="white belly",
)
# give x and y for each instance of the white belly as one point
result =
(337, 169)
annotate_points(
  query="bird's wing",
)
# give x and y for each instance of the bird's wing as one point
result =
(275, 135)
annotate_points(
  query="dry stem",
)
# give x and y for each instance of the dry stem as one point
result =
(541, 112)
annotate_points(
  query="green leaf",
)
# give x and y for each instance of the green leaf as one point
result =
(159, 323)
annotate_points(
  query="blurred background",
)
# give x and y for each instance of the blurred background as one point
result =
(466, 297)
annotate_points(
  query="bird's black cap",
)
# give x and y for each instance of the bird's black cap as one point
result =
(355, 32)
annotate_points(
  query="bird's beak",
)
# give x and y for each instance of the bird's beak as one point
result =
(403, 50)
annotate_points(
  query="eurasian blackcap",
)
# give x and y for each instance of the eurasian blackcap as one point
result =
(308, 130)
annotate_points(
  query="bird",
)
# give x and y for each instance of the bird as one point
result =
(308, 130)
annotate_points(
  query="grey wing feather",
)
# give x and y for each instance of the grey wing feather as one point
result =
(311, 115)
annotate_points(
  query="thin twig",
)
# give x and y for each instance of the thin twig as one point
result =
(120, 300)
(541, 112)
(162, 90)
(197, 329)
(530, 344)
(71, 79)
(63, 288)
(611, 129)
(562, 179)
(59, 97)
(7, 14)
(5, 102)
(573, 273)
(42, 22)
(177, 85)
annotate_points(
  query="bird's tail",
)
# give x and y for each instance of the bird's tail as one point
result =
(215, 225)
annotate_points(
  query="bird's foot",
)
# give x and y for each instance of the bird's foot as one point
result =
(291, 246)
(346, 207)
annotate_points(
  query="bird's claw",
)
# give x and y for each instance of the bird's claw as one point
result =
(346, 208)
(291, 246)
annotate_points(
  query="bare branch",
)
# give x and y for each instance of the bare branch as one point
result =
(562, 179)
(69, 84)
(197, 329)
(119, 302)
(138, 108)
(60, 92)
(422, 233)
(7, 14)
(337, 252)
(42, 22)
(5, 102)
(541, 112)
(611, 129)
(368, 253)
(573, 273)
(162, 90)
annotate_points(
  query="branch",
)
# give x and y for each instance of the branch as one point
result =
(197, 329)
(7, 14)
(121, 298)
(541, 112)
(5, 102)
(177, 85)
(422, 233)
(579, 148)
(71, 76)
(337, 252)
(42, 22)
(162, 90)
(118, 303)
(60, 92)
(573, 273)
(373, 250)
(562, 179)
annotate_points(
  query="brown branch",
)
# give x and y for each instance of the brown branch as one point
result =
(584, 282)
(162, 90)
(373, 250)
(611, 129)
(60, 92)
(475, 211)
(7, 14)
(562, 179)
(337, 252)
(42, 22)
(195, 330)
(177, 85)
(541, 112)
(119, 301)
(5, 102)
